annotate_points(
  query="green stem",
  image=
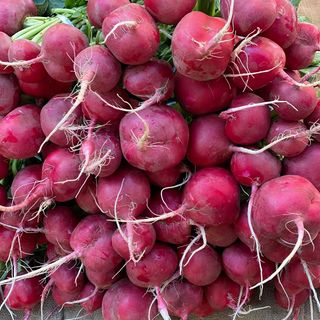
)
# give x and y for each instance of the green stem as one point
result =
(206, 6)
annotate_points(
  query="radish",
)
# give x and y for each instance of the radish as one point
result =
(148, 143)
(122, 297)
(145, 273)
(124, 194)
(202, 45)
(283, 31)
(92, 300)
(59, 224)
(313, 119)
(310, 252)
(46, 89)
(175, 230)
(200, 267)
(52, 113)
(292, 146)
(201, 97)
(23, 295)
(3, 196)
(100, 153)
(167, 177)
(302, 51)
(59, 64)
(135, 243)
(20, 133)
(208, 144)
(181, 298)
(5, 45)
(62, 298)
(256, 63)
(304, 100)
(285, 218)
(152, 82)
(304, 164)
(97, 10)
(248, 17)
(203, 310)
(131, 34)
(11, 98)
(100, 106)
(86, 198)
(247, 126)
(223, 293)
(167, 12)
(22, 49)
(221, 236)
(101, 279)
(13, 14)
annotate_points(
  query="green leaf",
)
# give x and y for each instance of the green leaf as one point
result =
(304, 19)
(56, 4)
(296, 3)
(42, 6)
(74, 3)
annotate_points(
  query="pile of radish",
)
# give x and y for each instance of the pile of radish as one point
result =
(164, 162)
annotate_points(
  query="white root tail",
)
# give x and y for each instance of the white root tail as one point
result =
(300, 227)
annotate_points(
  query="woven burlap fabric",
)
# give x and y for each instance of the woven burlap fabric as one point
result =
(272, 313)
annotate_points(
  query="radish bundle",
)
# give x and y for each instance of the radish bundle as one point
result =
(159, 158)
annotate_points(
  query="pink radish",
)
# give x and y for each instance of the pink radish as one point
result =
(221, 236)
(5, 45)
(11, 98)
(86, 198)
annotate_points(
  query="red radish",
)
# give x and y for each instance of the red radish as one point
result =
(223, 293)
(167, 177)
(200, 267)
(204, 310)
(286, 217)
(167, 12)
(221, 236)
(22, 49)
(16, 245)
(59, 64)
(257, 63)
(4, 167)
(181, 298)
(68, 278)
(20, 221)
(131, 34)
(92, 300)
(20, 133)
(23, 295)
(147, 141)
(313, 119)
(124, 296)
(284, 29)
(47, 88)
(145, 273)
(11, 98)
(124, 194)
(152, 82)
(102, 279)
(175, 230)
(293, 303)
(202, 45)
(52, 113)
(3, 196)
(59, 224)
(310, 252)
(62, 298)
(303, 99)
(5, 45)
(247, 126)
(97, 10)
(275, 251)
(91, 65)
(139, 240)
(290, 147)
(201, 97)
(100, 154)
(248, 17)
(100, 106)
(301, 53)
(304, 165)
(13, 14)
(208, 144)
(86, 198)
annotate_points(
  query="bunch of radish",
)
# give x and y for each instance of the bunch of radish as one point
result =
(140, 185)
